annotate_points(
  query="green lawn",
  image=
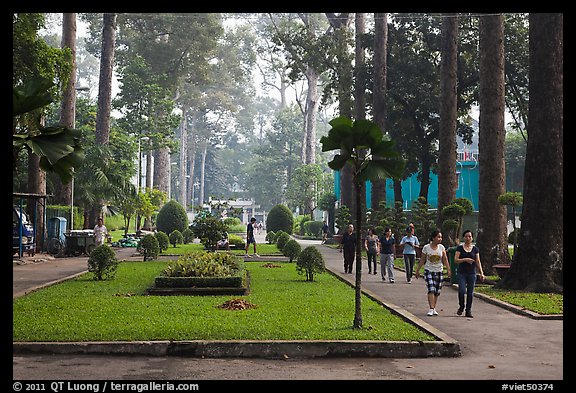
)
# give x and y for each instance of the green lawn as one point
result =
(541, 303)
(288, 308)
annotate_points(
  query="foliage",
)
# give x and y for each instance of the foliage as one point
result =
(187, 236)
(281, 240)
(236, 241)
(513, 199)
(176, 237)
(103, 262)
(455, 211)
(310, 262)
(280, 218)
(291, 249)
(343, 218)
(58, 147)
(172, 216)
(163, 240)
(422, 217)
(149, 247)
(270, 237)
(313, 228)
(204, 264)
(209, 230)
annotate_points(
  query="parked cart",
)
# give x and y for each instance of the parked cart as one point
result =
(80, 242)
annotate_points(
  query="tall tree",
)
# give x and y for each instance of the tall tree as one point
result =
(538, 266)
(492, 234)
(104, 94)
(68, 104)
(447, 181)
(379, 94)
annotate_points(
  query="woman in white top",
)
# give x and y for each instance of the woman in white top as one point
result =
(433, 256)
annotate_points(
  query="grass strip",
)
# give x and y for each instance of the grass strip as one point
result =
(287, 308)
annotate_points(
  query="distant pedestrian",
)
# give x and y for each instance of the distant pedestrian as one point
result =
(372, 249)
(410, 242)
(467, 258)
(348, 247)
(250, 237)
(324, 232)
(433, 256)
(100, 232)
(387, 255)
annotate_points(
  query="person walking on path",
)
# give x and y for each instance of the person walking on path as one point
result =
(410, 242)
(387, 255)
(372, 249)
(348, 247)
(467, 258)
(433, 256)
(324, 232)
(100, 232)
(250, 237)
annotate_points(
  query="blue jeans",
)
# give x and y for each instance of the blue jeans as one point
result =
(466, 282)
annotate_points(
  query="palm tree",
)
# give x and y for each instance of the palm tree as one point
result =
(371, 157)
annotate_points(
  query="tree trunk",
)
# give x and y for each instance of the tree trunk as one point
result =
(357, 323)
(447, 181)
(68, 105)
(379, 94)
(202, 172)
(492, 237)
(105, 81)
(161, 176)
(183, 162)
(312, 101)
(36, 185)
(539, 264)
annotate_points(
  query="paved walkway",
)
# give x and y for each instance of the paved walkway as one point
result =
(496, 344)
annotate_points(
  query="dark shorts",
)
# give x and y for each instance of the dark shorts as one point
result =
(251, 240)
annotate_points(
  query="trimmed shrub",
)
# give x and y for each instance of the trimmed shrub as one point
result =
(149, 247)
(310, 262)
(172, 216)
(280, 218)
(163, 241)
(313, 228)
(187, 236)
(236, 241)
(102, 262)
(292, 249)
(271, 237)
(281, 240)
(209, 230)
(176, 237)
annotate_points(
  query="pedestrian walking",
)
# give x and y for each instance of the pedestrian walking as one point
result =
(467, 258)
(324, 232)
(372, 250)
(387, 255)
(410, 242)
(250, 237)
(348, 248)
(100, 232)
(433, 256)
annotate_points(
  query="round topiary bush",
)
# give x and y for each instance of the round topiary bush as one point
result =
(163, 241)
(292, 249)
(280, 218)
(176, 237)
(281, 240)
(310, 262)
(187, 236)
(102, 262)
(270, 237)
(172, 216)
(149, 247)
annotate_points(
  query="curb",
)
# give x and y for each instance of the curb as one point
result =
(269, 349)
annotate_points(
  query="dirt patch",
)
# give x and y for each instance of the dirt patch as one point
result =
(237, 305)
(270, 265)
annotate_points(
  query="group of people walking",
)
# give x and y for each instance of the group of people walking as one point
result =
(433, 258)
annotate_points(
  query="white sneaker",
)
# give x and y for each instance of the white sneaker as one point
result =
(257, 256)
(430, 312)
(434, 311)
(246, 255)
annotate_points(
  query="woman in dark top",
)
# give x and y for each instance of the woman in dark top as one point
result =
(348, 244)
(387, 255)
(468, 259)
(372, 249)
